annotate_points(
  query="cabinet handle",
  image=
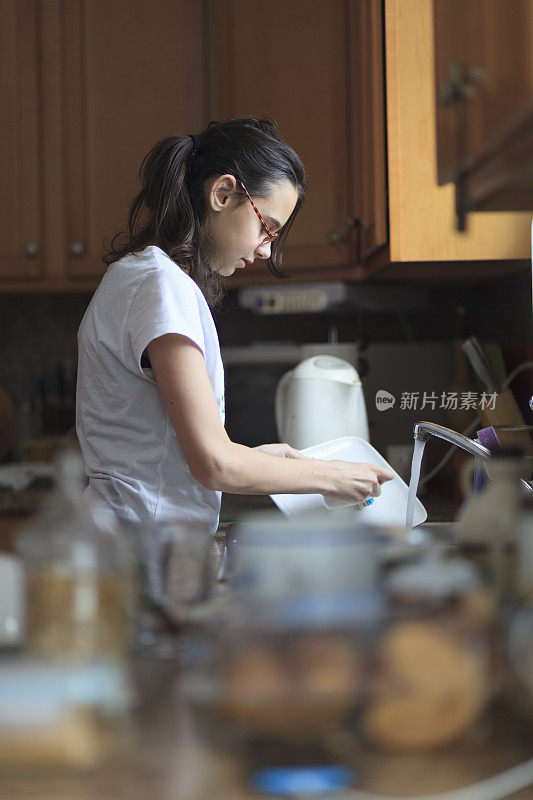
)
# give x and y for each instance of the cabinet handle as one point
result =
(32, 250)
(459, 83)
(77, 249)
(356, 225)
(335, 237)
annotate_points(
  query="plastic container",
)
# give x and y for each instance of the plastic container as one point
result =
(387, 509)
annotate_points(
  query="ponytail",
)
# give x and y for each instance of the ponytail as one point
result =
(170, 211)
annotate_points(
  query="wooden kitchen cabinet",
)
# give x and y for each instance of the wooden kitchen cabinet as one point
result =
(21, 198)
(320, 76)
(89, 86)
(484, 77)
(324, 81)
(422, 230)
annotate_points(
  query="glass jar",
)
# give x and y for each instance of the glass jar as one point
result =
(433, 666)
(282, 668)
(175, 572)
(276, 696)
(78, 575)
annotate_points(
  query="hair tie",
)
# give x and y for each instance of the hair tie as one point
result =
(194, 143)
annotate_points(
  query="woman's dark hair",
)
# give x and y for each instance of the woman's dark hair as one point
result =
(170, 210)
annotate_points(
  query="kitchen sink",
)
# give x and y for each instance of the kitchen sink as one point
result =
(446, 532)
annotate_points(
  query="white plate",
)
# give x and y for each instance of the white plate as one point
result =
(387, 509)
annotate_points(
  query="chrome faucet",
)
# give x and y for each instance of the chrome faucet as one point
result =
(423, 430)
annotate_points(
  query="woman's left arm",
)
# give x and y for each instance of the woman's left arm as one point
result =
(281, 450)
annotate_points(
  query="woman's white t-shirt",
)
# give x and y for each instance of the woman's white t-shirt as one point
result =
(132, 456)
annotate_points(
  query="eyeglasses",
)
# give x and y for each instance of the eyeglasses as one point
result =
(270, 236)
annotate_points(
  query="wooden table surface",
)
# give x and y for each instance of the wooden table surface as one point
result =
(164, 758)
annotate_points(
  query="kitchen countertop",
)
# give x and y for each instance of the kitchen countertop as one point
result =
(165, 759)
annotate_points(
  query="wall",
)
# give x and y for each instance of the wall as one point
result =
(39, 331)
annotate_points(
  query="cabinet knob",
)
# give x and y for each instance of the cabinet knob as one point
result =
(459, 83)
(77, 249)
(335, 237)
(32, 250)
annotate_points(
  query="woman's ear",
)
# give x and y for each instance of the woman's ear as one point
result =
(221, 192)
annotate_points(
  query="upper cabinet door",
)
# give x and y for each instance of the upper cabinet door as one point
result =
(133, 74)
(484, 76)
(288, 60)
(367, 128)
(21, 200)
(422, 223)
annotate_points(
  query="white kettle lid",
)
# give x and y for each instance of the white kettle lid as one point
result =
(328, 368)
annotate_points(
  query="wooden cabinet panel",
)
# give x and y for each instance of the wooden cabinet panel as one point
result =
(421, 213)
(133, 74)
(21, 203)
(296, 74)
(367, 152)
(87, 87)
(484, 74)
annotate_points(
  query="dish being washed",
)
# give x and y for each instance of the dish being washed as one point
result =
(387, 509)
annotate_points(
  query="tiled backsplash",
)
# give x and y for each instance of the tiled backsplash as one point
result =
(39, 330)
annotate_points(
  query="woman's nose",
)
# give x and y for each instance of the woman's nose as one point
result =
(263, 251)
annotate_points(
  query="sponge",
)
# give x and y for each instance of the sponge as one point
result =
(489, 439)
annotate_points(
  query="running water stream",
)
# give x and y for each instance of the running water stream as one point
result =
(416, 463)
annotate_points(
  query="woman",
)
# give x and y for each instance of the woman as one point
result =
(150, 398)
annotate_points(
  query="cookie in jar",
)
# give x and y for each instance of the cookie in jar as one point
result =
(433, 663)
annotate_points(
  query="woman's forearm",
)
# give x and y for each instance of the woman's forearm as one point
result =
(244, 470)
(237, 469)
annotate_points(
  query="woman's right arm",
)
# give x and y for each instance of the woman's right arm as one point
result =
(220, 464)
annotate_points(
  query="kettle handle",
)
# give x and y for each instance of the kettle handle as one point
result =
(279, 402)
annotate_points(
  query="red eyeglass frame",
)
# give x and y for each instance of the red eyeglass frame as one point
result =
(271, 236)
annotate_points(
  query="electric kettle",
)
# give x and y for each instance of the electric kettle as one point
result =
(319, 400)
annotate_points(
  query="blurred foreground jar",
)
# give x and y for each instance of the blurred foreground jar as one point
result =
(283, 667)
(276, 688)
(78, 575)
(62, 714)
(175, 570)
(433, 674)
(518, 630)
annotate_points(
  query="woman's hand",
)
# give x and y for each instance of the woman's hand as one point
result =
(281, 450)
(356, 482)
